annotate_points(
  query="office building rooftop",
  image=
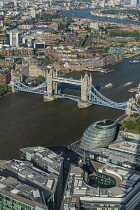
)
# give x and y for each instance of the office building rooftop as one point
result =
(26, 170)
(31, 196)
(43, 157)
(108, 178)
(78, 188)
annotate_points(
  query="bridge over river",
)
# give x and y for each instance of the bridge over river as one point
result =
(89, 94)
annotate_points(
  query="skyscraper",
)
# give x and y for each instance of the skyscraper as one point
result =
(33, 13)
(15, 3)
(133, 3)
(13, 38)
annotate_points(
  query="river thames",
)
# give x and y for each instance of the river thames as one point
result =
(25, 120)
(85, 13)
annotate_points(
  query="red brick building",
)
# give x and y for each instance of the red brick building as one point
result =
(50, 12)
(5, 76)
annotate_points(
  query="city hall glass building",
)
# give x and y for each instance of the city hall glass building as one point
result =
(98, 134)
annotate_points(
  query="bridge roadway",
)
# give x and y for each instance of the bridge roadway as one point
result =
(91, 101)
(75, 98)
(40, 92)
(43, 92)
(95, 98)
(66, 80)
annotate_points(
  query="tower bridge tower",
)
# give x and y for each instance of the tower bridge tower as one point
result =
(86, 84)
(16, 78)
(51, 86)
(129, 105)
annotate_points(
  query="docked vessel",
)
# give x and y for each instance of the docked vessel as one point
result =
(135, 89)
(132, 90)
(134, 61)
(108, 85)
(104, 70)
(92, 69)
(98, 69)
(108, 70)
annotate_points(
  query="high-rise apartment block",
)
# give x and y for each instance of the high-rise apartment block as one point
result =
(33, 13)
(133, 3)
(13, 38)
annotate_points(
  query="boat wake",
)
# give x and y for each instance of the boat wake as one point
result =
(121, 87)
(128, 83)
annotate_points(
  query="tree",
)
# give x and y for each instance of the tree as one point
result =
(67, 30)
(41, 53)
(135, 115)
(45, 61)
(138, 101)
(40, 79)
(138, 128)
(138, 122)
(61, 26)
(10, 68)
(130, 124)
(35, 50)
(76, 33)
(65, 48)
(4, 88)
(2, 57)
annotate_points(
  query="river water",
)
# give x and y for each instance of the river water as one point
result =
(85, 13)
(25, 120)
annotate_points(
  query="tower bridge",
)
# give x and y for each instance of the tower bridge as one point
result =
(66, 80)
(89, 94)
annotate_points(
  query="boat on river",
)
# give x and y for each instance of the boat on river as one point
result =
(99, 69)
(132, 90)
(92, 69)
(135, 89)
(108, 70)
(134, 61)
(108, 85)
(130, 82)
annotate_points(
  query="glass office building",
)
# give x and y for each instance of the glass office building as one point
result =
(98, 134)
